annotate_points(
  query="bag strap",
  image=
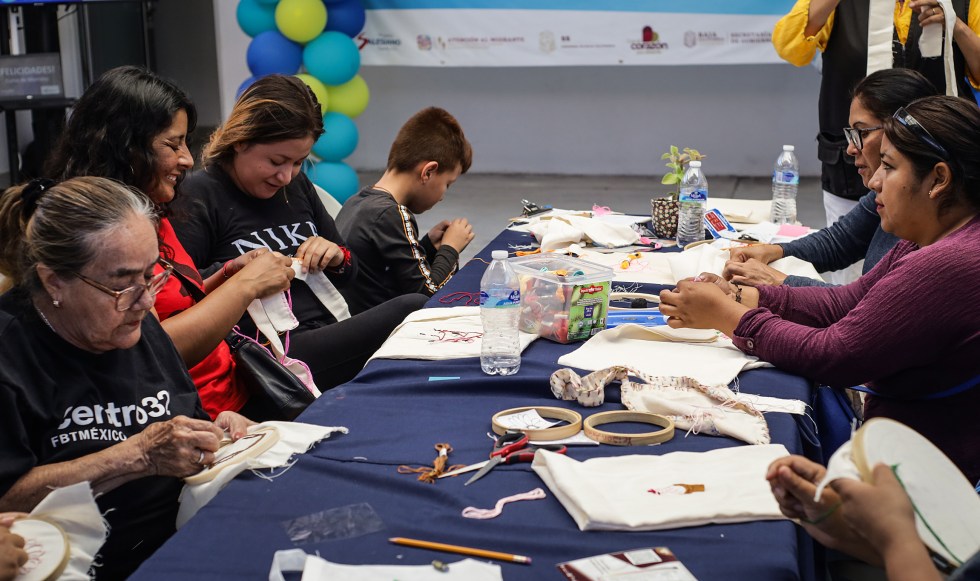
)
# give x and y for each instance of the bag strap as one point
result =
(192, 289)
(955, 390)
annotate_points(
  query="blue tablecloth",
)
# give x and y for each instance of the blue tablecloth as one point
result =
(396, 415)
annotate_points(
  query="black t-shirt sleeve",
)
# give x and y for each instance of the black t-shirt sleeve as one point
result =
(407, 260)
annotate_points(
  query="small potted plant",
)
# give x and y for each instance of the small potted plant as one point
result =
(665, 209)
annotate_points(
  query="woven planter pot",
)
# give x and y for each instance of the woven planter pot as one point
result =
(664, 216)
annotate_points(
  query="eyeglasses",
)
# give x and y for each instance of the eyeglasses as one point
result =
(855, 135)
(906, 119)
(127, 297)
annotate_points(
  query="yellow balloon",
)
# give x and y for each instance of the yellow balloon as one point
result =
(351, 98)
(301, 20)
(319, 89)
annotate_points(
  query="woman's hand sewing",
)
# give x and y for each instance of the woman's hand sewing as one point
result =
(178, 447)
(317, 253)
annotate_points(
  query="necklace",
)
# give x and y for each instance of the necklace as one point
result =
(45, 319)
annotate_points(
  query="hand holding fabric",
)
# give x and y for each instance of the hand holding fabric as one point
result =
(268, 272)
(12, 554)
(317, 253)
(235, 424)
(930, 12)
(753, 272)
(701, 304)
(178, 447)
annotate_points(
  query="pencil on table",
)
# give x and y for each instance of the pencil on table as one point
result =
(461, 550)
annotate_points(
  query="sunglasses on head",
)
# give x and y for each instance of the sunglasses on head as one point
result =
(907, 120)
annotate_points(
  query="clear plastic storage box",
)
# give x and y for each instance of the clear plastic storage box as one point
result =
(563, 298)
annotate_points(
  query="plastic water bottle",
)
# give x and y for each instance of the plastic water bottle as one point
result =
(693, 200)
(500, 309)
(785, 183)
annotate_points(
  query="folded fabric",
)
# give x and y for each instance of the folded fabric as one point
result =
(742, 211)
(648, 492)
(316, 568)
(439, 334)
(661, 351)
(556, 232)
(73, 508)
(294, 438)
(693, 406)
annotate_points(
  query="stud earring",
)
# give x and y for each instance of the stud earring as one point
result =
(56, 303)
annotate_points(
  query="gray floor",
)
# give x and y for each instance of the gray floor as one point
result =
(488, 200)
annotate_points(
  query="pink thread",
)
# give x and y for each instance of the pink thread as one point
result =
(598, 210)
(485, 513)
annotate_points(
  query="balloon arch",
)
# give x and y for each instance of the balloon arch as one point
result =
(316, 37)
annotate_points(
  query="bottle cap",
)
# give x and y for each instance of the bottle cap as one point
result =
(694, 163)
(499, 255)
(789, 148)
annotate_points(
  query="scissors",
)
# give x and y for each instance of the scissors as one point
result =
(510, 448)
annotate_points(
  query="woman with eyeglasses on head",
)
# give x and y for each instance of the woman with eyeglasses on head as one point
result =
(91, 387)
(858, 234)
(908, 328)
(132, 125)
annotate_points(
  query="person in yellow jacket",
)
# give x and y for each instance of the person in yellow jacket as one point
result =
(839, 29)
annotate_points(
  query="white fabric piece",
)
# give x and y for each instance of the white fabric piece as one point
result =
(556, 232)
(294, 438)
(881, 26)
(73, 508)
(613, 494)
(933, 43)
(841, 465)
(316, 568)
(648, 350)
(700, 409)
(273, 316)
(438, 334)
(772, 404)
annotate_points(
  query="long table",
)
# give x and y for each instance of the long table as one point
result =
(396, 414)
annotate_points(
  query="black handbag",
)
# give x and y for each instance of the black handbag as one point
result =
(267, 379)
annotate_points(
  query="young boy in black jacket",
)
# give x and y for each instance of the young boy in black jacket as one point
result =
(429, 153)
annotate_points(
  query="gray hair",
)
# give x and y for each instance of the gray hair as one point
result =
(63, 225)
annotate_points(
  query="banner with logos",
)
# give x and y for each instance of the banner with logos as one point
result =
(495, 33)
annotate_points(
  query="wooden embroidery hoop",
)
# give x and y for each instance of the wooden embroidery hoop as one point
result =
(947, 506)
(231, 453)
(618, 439)
(573, 426)
(47, 547)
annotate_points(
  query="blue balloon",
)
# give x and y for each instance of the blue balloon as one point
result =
(255, 17)
(346, 16)
(271, 52)
(338, 178)
(269, 2)
(339, 137)
(332, 58)
(245, 84)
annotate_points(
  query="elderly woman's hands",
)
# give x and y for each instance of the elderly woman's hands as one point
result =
(317, 253)
(12, 554)
(178, 447)
(235, 424)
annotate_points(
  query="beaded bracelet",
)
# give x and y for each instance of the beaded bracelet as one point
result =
(224, 269)
(738, 293)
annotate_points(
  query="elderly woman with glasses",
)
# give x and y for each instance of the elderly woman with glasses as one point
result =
(132, 125)
(91, 388)
(858, 234)
(910, 328)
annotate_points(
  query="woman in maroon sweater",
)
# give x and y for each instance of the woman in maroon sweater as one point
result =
(910, 328)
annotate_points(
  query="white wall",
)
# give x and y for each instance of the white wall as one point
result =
(582, 120)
